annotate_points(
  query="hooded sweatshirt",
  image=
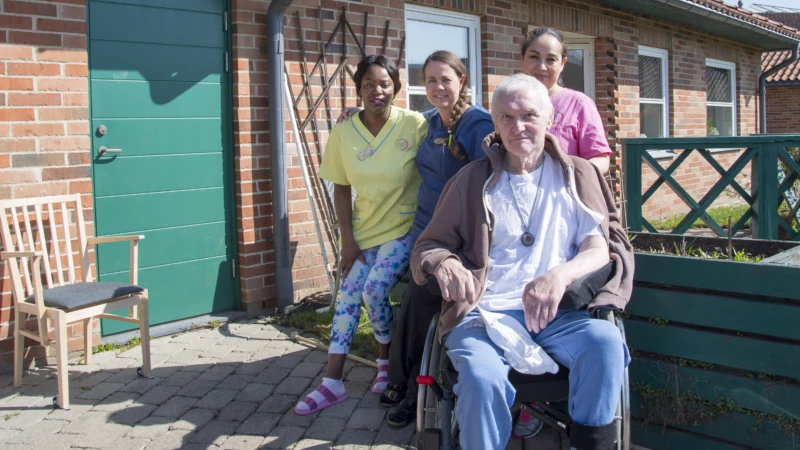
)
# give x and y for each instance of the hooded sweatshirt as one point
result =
(462, 224)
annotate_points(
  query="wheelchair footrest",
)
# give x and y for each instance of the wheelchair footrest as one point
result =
(430, 439)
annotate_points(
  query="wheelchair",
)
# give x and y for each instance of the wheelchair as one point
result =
(542, 396)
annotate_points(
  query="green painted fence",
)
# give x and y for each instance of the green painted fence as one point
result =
(716, 353)
(766, 154)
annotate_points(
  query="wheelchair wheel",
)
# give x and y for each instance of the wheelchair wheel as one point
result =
(436, 424)
(624, 408)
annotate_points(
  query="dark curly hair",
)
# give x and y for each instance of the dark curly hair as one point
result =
(382, 61)
(536, 33)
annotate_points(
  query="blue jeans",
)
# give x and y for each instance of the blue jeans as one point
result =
(591, 349)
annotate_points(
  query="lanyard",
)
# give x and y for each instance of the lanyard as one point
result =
(369, 151)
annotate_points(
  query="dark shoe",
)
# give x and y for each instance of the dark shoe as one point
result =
(392, 395)
(403, 414)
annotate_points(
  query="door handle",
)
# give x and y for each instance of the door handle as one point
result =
(103, 150)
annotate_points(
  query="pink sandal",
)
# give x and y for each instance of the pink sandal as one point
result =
(313, 406)
(383, 377)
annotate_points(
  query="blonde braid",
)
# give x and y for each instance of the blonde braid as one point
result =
(455, 117)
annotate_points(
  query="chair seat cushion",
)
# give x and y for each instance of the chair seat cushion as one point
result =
(81, 295)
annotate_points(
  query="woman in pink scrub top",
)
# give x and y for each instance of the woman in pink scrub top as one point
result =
(576, 122)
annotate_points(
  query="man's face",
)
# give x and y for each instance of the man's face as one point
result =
(521, 123)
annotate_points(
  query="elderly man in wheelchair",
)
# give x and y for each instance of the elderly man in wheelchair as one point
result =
(511, 235)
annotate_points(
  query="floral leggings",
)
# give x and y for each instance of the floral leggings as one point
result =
(370, 283)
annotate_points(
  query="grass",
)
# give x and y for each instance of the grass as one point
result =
(720, 215)
(109, 346)
(310, 321)
(717, 253)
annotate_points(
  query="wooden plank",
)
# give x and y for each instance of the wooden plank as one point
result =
(774, 358)
(113, 60)
(155, 100)
(655, 438)
(739, 428)
(751, 393)
(789, 258)
(145, 137)
(750, 315)
(746, 278)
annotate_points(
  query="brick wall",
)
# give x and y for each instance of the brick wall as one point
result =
(44, 128)
(783, 109)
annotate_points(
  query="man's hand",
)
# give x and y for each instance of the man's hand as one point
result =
(350, 253)
(541, 298)
(455, 282)
(347, 113)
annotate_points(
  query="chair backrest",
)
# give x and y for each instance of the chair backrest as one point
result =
(53, 226)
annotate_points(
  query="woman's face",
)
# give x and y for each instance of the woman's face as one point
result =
(377, 90)
(543, 60)
(442, 85)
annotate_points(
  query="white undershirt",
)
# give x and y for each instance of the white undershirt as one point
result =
(559, 225)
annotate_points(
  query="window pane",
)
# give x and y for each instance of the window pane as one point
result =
(573, 75)
(650, 82)
(718, 85)
(720, 120)
(419, 103)
(424, 38)
(651, 120)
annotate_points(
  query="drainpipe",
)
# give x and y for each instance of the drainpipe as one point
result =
(762, 87)
(277, 145)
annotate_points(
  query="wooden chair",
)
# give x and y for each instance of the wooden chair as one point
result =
(46, 238)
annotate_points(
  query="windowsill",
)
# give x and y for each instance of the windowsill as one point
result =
(662, 154)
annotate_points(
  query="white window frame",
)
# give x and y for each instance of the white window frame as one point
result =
(473, 25)
(726, 65)
(663, 55)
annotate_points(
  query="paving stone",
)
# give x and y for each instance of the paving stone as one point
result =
(201, 344)
(198, 388)
(514, 444)
(253, 367)
(283, 437)
(116, 402)
(218, 372)
(255, 392)
(158, 395)
(70, 415)
(277, 404)
(272, 376)
(217, 351)
(267, 333)
(316, 357)
(24, 419)
(171, 440)
(341, 411)
(249, 346)
(245, 329)
(47, 388)
(103, 436)
(217, 399)
(215, 432)
(124, 376)
(175, 407)
(150, 427)
(59, 441)
(24, 401)
(370, 401)
(243, 442)
(290, 418)
(120, 363)
(141, 385)
(92, 379)
(270, 354)
(190, 336)
(355, 440)
(238, 411)
(162, 371)
(182, 378)
(236, 382)
(7, 435)
(394, 447)
(234, 357)
(306, 370)
(287, 361)
(293, 386)
(259, 424)
(548, 438)
(357, 389)
(133, 414)
(325, 428)
(18, 447)
(362, 374)
(315, 444)
(398, 436)
(366, 419)
(200, 365)
(201, 446)
(194, 419)
(101, 390)
(185, 357)
(127, 443)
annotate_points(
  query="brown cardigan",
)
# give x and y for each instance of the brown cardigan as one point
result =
(461, 226)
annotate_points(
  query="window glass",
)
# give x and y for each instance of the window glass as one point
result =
(718, 85)
(573, 75)
(650, 77)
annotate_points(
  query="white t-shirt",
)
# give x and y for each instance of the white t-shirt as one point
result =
(559, 225)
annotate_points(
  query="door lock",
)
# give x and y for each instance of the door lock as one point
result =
(102, 130)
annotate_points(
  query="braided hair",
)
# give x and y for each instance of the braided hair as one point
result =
(461, 104)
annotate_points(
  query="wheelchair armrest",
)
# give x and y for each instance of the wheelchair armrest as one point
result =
(433, 285)
(580, 293)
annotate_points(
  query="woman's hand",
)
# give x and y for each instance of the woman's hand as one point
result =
(540, 300)
(455, 282)
(350, 253)
(347, 113)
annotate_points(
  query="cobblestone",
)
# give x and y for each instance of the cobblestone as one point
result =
(194, 419)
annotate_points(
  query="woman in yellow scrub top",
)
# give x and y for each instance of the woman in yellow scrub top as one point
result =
(374, 153)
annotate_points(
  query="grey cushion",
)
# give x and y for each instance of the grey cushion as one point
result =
(81, 295)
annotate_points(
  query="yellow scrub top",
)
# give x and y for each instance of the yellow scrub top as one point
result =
(381, 169)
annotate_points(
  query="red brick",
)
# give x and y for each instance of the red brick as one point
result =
(17, 114)
(15, 99)
(37, 69)
(16, 84)
(20, 176)
(64, 84)
(66, 173)
(51, 114)
(5, 163)
(29, 8)
(16, 22)
(61, 26)
(76, 70)
(17, 145)
(62, 55)
(72, 12)
(34, 38)
(40, 189)
(37, 129)
(74, 41)
(76, 100)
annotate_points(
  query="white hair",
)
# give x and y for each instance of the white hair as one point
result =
(521, 82)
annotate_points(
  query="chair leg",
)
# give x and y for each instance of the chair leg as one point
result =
(60, 319)
(144, 332)
(87, 340)
(19, 347)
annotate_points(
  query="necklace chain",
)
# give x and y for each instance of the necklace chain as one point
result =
(535, 199)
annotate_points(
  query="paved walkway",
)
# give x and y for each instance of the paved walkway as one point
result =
(233, 387)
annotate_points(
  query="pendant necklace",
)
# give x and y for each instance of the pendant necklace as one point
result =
(369, 151)
(527, 237)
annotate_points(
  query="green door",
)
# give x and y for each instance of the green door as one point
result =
(160, 104)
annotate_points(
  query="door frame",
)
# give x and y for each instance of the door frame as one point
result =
(229, 185)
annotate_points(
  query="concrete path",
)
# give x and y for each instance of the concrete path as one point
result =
(233, 387)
